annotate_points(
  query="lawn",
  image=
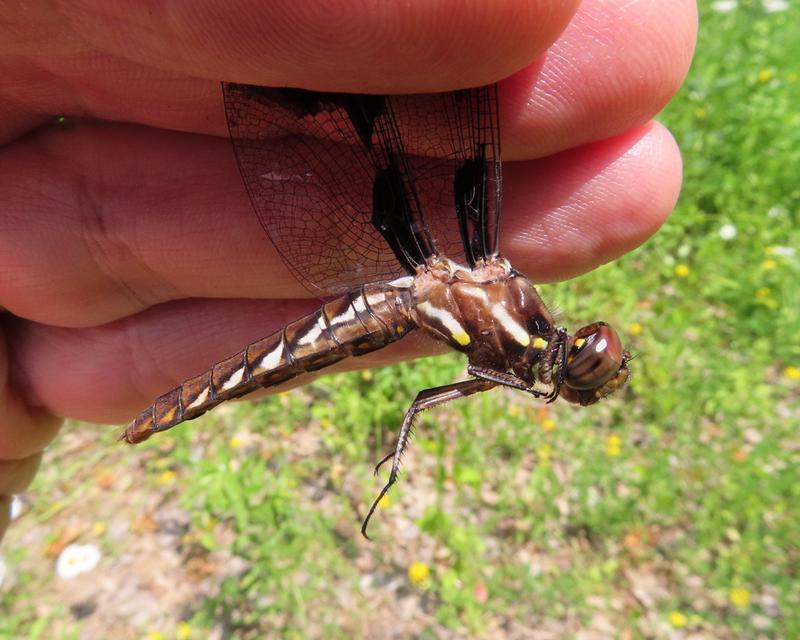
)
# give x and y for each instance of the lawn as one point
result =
(668, 511)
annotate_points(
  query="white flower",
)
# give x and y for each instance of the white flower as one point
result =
(3, 571)
(15, 508)
(776, 212)
(727, 232)
(76, 559)
(724, 6)
(786, 252)
(771, 6)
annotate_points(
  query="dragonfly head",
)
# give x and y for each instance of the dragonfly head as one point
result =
(597, 365)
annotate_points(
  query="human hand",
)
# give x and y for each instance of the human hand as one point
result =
(130, 257)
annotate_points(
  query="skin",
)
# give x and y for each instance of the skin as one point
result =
(129, 255)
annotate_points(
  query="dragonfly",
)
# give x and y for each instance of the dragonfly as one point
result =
(388, 208)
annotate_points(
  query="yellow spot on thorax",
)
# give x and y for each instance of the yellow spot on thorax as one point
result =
(579, 342)
(540, 343)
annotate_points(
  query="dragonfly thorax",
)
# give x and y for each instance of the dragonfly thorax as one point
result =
(490, 313)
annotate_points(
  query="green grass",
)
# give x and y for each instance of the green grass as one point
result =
(672, 507)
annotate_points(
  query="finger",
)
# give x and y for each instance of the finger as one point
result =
(90, 248)
(89, 234)
(373, 47)
(108, 373)
(5, 514)
(574, 211)
(17, 475)
(25, 429)
(614, 68)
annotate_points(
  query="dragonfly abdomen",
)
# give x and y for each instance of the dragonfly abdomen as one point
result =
(350, 325)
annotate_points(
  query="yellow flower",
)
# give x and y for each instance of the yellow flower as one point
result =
(768, 265)
(700, 113)
(765, 75)
(635, 328)
(677, 619)
(419, 573)
(770, 303)
(762, 292)
(325, 423)
(166, 477)
(236, 442)
(384, 502)
(613, 445)
(366, 375)
(548, 424)
(544, 452)
(184, 630)
(681, 270)
(739, 597)
(99, 528)
(793, 373)
(154, 635)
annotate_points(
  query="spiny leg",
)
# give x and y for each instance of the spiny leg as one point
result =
(503, 379)
(425, 400)
(383, 461)
(561, 356)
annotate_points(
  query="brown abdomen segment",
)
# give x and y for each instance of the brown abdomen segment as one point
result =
(351, 325)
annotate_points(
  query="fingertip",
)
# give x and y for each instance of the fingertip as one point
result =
(5, 514)
(614, 68)
(574, 211)
(16, 475)
(655, 170)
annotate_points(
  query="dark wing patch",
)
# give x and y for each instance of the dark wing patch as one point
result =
(455, 142)
(356, 188)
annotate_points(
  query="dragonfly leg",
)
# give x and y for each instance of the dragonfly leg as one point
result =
(425, 400)
(561, 356)
(383, 461)
(503, 379)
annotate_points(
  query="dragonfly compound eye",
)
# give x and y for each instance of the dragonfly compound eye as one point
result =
(595, 357)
